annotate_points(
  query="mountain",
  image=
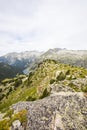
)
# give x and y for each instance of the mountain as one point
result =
(20, 60)
(49, 74)
(26, 60)
(53, 96)
(7, 71)
(72, 57)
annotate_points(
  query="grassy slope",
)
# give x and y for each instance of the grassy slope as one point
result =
(40, 79)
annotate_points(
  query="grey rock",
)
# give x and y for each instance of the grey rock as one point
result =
(60, 111)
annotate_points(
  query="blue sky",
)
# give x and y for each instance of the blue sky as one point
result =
(42, 24)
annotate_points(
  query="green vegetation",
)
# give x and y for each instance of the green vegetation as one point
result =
(84, 89)
(7, 71)
(9, 113)
(21, 116)
(37, 84)
(45, 93)
(4, 124)
(30, 98)
(74, 87)
(17, 83)
(61, 76)
(52, 81)
(10, 117)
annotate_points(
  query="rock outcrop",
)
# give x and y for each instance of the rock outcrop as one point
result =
(60, 111)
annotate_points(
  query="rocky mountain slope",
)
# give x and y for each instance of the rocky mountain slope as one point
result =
(52, 97)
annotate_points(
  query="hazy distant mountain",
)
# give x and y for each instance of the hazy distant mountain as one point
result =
(73, 57)
(20, 59)
(28, 60)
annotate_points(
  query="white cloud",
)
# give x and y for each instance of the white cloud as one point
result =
(42, 24)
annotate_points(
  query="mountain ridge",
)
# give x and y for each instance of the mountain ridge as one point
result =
(53, 96)
(28, 60)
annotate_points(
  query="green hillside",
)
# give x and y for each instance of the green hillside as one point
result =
(48, 77)
(7, 71)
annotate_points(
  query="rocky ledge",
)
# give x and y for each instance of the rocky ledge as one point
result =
(60, 111)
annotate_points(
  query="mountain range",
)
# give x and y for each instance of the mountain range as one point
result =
(14, 63)
(72, 57)
(20, 59)
(25, 60)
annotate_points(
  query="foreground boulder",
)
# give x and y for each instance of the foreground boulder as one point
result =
(60, 111)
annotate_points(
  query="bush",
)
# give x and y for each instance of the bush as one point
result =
(67, 72)
(4, 124)
(21, 116)
(84, 89)
(0, 89)
(45, 93)
(17, 83)
(2, 96)
(61, 76)
(30, 74)
(30, 98)
(52, 81)
(10, 89)
(82, 75)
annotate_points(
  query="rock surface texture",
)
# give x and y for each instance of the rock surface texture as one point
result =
(60, 111)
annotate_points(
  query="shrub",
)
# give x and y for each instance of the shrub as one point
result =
(61, 76)
(52, 81)
(2, 96)
(0, 89)
(10, 89)
(30, 98)
(4, 124)
(30, 74)
(45, 93)
(17, 83)
(67, 72)
(84, 89)
(21, 116)
(82, 75)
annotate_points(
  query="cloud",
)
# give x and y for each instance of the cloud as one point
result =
(40, 25)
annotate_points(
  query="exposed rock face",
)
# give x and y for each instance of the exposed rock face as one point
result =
(60, 111)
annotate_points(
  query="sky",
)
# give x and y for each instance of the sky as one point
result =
(27, 25)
